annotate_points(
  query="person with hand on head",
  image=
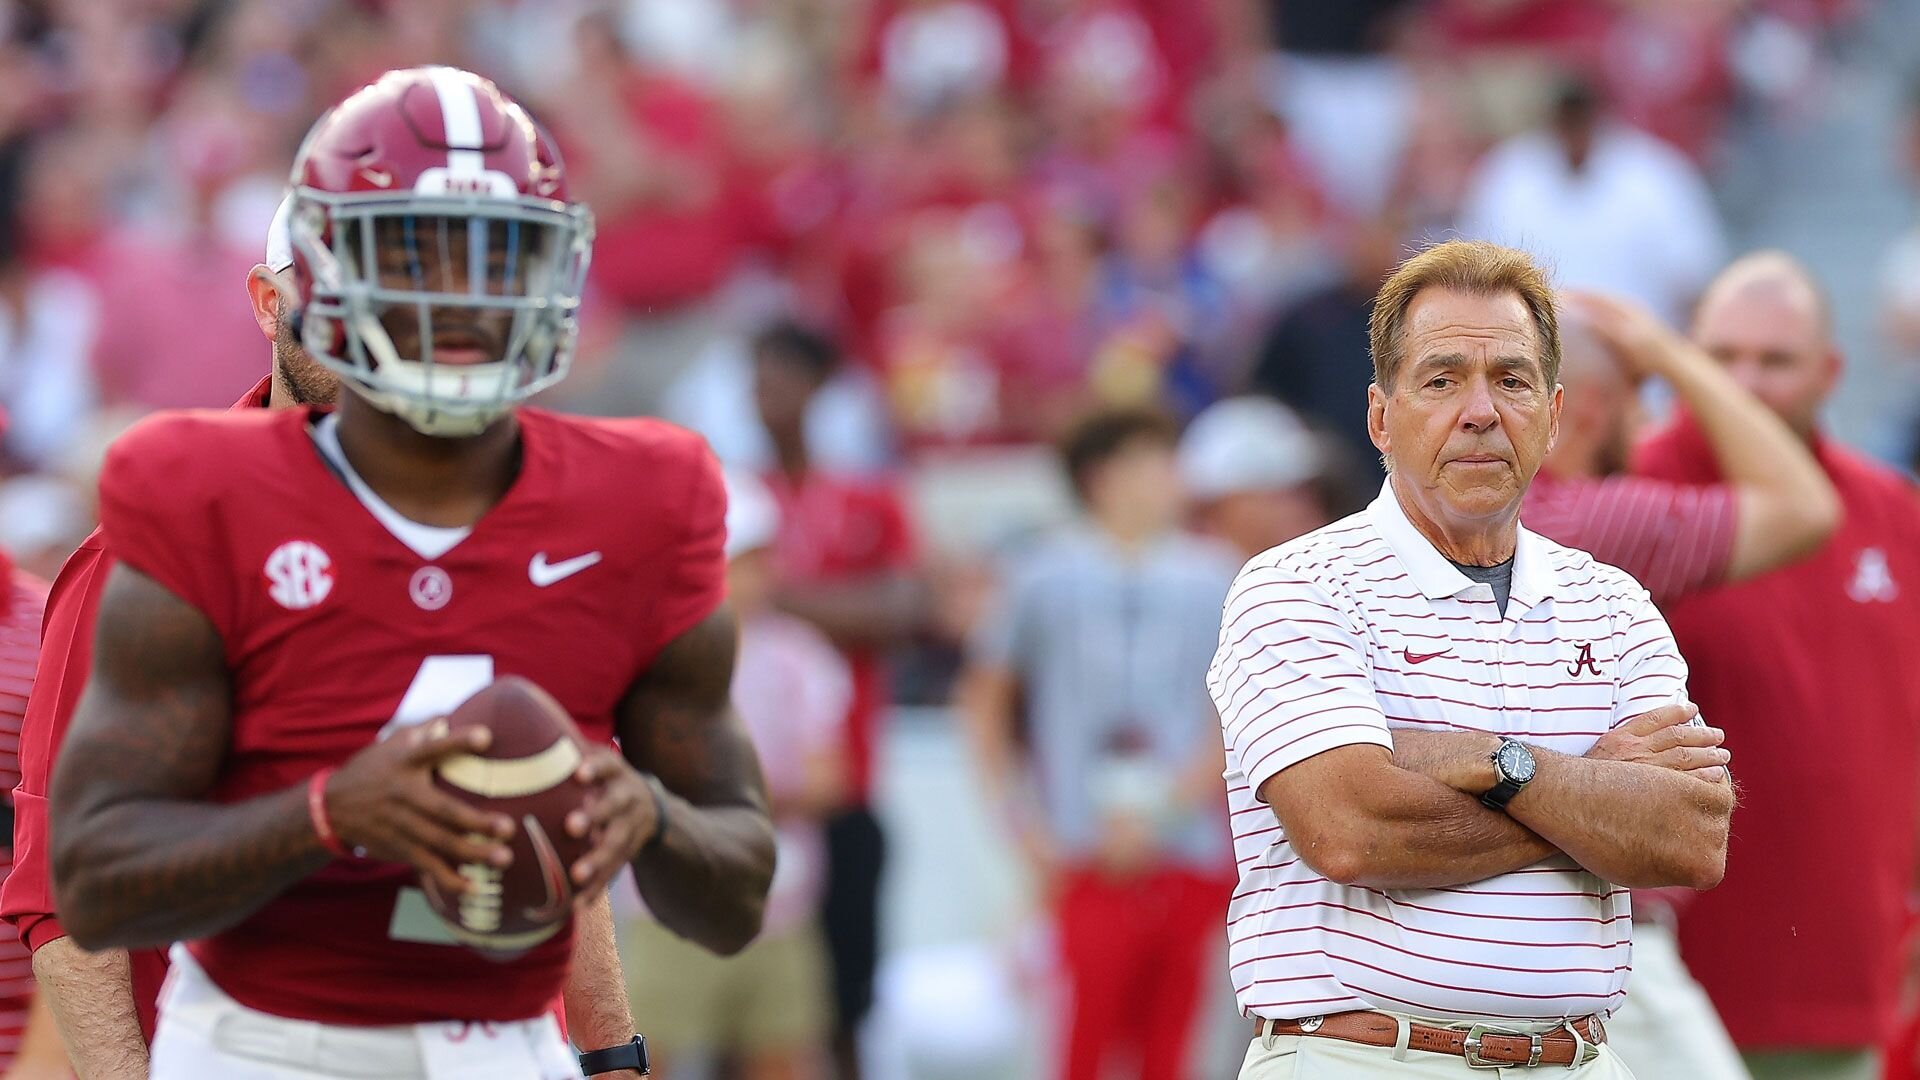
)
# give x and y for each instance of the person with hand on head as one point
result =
(1452, 744)
(1813, 668)
(1775, 505)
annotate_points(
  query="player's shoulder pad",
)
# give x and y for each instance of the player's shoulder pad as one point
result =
(181, 453)
(623, 443)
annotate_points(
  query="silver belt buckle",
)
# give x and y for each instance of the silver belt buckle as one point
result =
(1471, 1049)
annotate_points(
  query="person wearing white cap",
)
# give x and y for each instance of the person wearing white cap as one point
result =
(767, 1007)
(1251, 468)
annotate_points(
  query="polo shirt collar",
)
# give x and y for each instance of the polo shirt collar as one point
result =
(1436, 577)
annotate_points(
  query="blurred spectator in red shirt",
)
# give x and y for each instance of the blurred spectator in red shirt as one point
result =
(1775, 505)
(1810, 670)
(649, 154)
(844, 561)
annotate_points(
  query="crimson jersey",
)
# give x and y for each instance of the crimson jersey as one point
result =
(607, 546)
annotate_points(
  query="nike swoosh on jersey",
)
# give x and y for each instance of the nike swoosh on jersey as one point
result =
(1422, 657)
(543, 573)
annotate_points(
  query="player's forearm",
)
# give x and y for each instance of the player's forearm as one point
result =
(1629, 823)
(150, 872)
(598, 1015)
(90, 995)
(707, 879)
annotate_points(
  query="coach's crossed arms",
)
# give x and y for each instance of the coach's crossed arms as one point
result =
(1647, 806)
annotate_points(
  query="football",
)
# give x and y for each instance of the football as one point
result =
(527, 773)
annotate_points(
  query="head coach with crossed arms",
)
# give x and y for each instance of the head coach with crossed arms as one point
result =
(1452, 745)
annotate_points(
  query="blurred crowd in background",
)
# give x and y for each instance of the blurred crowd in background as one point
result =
(887, 254)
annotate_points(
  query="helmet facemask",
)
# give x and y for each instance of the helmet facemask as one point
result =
(445, 311)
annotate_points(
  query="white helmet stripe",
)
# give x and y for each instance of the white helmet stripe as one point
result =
(460, 116)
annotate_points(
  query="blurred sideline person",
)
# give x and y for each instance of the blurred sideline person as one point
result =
(25, 1048)
(1110, 787)
(1253, 472)
(104, 1002)
(1811, 668)
(1675, 539)
(765, 1010)
(844, 561)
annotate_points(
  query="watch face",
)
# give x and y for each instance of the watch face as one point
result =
(1516, 762)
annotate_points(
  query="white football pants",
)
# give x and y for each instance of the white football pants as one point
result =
(206, 1035)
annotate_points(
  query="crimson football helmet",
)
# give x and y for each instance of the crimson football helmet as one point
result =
(437, 260)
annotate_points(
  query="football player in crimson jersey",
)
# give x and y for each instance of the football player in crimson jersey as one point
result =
(103, 1002)
(300, 590)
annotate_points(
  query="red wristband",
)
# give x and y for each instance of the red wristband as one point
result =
(317, 813)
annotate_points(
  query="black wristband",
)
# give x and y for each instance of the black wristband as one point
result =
(628, 1055)
(659, 815)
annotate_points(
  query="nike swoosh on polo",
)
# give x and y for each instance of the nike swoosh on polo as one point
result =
(543, 573)
(1421, 657)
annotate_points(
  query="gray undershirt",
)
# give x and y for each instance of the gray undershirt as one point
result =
(1500, 576)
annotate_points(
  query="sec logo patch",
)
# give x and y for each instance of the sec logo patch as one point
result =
(299, 575)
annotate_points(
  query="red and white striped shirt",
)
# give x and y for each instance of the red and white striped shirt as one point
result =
(1362, 627)
(22, 600)
(1673, 538)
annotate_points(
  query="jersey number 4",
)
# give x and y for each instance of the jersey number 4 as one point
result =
(441, 685)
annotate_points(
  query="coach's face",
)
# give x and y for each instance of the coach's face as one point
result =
(1470, 414)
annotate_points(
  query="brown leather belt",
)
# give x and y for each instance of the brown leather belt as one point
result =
(1483, 1046)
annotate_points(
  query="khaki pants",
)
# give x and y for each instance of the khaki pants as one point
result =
(1811, 1064)
(1298, 1057)
(1668, 1030)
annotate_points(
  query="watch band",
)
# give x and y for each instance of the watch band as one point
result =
(1500, 795)
(631, 1054)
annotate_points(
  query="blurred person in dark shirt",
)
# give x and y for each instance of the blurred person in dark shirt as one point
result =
(844, 560)
(1315, 357)
(1773, 506)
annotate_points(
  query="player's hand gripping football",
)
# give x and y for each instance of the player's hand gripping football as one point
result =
(383, 803)
(1666, 737)
(620, 816)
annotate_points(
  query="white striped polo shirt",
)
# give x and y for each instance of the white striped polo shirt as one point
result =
(1362, 627)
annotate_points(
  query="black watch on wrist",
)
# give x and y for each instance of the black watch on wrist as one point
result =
(628, 1055)
(1513, 763)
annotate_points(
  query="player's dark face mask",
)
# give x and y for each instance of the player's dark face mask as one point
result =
(445, 311)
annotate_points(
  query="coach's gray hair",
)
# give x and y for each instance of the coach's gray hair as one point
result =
(1470, 266)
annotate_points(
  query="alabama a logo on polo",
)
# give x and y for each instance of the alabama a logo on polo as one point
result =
(1872, 578)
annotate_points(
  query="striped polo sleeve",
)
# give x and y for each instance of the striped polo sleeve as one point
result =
(1291, 677)
(1652, 672)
